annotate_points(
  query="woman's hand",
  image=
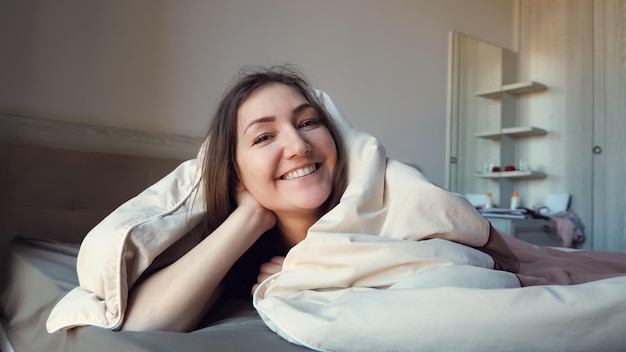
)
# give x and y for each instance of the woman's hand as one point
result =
(268, 269)
(246, 200)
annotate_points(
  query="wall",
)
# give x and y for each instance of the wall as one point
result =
(162, 65)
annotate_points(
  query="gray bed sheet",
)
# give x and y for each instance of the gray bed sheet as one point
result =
(41, 272)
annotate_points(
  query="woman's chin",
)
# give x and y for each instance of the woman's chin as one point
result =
(310, 206)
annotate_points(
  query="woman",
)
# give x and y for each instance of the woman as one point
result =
(277, 165)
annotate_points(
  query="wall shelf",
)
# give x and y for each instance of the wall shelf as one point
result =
(522, 131)
(506, 96)
(513, 88)
(524, 87)
(512, 174)
(490, 93)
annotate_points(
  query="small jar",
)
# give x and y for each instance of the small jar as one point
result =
(515, 201)
(488, 201)
(522, 165)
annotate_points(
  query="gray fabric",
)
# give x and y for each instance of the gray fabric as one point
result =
(41, 272)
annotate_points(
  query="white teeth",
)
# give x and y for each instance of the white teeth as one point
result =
(300, 172)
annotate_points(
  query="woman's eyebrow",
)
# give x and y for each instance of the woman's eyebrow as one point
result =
(296, 111)
(259, 120)
(301, 108)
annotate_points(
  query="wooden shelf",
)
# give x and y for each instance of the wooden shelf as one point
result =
(521, 131)
(524, 87)
(490, 93)
(489, 134)
(513, 88)
(511, 174)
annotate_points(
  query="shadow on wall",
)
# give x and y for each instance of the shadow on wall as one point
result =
(69, 63)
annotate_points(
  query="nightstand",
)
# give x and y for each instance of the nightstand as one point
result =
(536, 231)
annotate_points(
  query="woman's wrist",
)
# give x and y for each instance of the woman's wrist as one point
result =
(255, 217)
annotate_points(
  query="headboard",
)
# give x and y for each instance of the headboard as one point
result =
(59, 179)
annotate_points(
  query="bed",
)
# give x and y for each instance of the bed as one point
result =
(42, 271)
(59, 180)
(67, 189)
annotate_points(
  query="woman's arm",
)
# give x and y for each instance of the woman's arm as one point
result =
(176, 297)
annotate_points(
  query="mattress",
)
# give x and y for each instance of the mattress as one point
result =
(41, 272)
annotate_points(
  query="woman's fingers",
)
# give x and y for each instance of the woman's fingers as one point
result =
(268, 269)
(278, 260)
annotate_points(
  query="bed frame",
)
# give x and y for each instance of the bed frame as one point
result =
(59, 179)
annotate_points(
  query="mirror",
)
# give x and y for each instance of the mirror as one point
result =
(476, 69)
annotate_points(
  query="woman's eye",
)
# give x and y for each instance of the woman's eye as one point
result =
(260, 139)
(310, 123)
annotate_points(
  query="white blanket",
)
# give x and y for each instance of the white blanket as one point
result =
(365, 278)
(342, 289)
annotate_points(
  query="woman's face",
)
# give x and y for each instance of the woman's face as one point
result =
(285, 156)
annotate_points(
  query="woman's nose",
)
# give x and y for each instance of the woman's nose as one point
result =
(295, 144)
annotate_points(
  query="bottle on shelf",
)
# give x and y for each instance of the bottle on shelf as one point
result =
(515, 201)
(488, 201)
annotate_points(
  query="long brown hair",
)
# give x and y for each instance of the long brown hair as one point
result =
(219, 174)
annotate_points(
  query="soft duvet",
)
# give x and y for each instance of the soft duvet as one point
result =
(399, 264)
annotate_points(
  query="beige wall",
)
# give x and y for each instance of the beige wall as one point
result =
(162, 65)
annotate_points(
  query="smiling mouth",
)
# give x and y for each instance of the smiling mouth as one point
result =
(301, 172)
